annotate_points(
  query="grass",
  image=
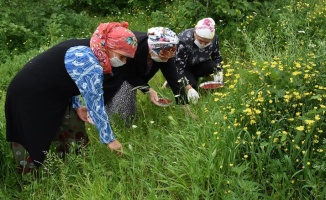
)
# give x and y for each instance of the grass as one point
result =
(262, 136)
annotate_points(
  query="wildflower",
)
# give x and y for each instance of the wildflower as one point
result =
(317, 117)
(134, 126)
(296, 73)
(215, 133)
(203, 145)
(300, 128)
(245, 156)
(152, 122)
(309, 122)
(290, 119)
(308, 163)
(231, 164)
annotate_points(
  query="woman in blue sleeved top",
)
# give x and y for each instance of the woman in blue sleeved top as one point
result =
(46, 86)
(198, 55)
(155, 51)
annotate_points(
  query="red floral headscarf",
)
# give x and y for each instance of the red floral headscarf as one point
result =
(112, 36)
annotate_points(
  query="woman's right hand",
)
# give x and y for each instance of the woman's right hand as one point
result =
(116, 147)
(153, 96)
(82, 113)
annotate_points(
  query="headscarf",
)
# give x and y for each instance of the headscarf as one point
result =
(112, 36)
(161, 38)
(205, 28)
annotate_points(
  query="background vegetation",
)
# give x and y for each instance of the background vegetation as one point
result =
(262, 136)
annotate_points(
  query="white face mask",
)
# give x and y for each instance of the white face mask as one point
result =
(158, 59)
(116, 62)
(201, 46)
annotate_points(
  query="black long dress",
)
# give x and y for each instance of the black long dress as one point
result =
(37, 98)
(138, 73)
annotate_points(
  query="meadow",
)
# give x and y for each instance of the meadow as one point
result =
(261, 136)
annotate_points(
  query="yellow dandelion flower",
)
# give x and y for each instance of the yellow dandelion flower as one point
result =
(215, 133)
(245, 156)
(231, 164)
(258, 133)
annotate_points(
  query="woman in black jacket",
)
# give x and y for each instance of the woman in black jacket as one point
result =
(155, 51)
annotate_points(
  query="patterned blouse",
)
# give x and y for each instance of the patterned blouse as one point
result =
(85, 70)
(188, 54)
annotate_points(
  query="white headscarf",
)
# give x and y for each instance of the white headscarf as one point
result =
(205, 28)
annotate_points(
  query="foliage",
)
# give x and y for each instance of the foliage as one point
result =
(261, 136)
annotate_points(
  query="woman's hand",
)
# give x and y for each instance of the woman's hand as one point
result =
(82, 113)
(153, 96)
(116, 147)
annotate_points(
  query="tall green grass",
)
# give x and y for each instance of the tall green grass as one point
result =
(261, 136)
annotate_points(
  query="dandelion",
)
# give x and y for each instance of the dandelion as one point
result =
(258, 133)
(231, 164)
(300, 128)
(317, 117)
(245, 156)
